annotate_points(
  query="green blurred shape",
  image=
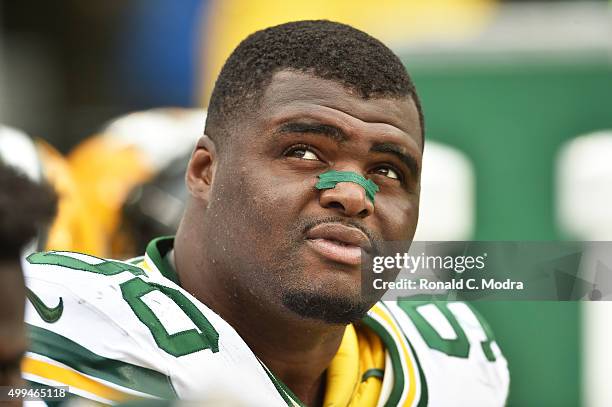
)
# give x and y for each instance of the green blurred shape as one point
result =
(510, 115)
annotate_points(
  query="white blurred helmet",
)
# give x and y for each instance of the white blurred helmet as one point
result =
(447, 194)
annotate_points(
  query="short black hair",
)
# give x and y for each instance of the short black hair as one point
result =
(323, 48)
(25, 209)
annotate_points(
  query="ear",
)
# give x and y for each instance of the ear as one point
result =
(201, 169)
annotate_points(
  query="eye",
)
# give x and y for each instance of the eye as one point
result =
(387, 172)
(302, 152)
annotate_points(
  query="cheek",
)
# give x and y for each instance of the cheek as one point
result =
(266, 201)
(399, 218)
(279, 200)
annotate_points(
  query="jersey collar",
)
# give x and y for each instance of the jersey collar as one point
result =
(157, 254)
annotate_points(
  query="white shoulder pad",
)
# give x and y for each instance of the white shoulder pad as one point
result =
(117, 331)
(83, 334)
(460, 359)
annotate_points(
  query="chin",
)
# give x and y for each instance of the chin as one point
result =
(331, 308)
(326, 291)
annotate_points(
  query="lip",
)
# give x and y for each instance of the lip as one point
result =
(339, 243)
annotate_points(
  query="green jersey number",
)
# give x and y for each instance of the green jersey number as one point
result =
(180, 343)
(459, 346)
(177, 344)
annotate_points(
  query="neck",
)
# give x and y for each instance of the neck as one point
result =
(297, 350)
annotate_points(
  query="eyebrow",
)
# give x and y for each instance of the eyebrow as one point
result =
(391, 148)
(338, 135)
(332, 132)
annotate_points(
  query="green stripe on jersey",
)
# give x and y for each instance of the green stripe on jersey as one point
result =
(398, 374)
(158, 250)
(70, 397)
(424, 399)
(379, 373)
(63, 350)
(106, 267)
(135, 260)
(285, 392)
(394, 353)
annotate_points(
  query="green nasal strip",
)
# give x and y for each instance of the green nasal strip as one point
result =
(330, 179)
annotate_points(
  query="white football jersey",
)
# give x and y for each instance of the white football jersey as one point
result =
(113, 330)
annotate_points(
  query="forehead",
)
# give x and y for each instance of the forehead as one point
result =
(299, 95)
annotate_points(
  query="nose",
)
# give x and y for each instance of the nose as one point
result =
(349, 199)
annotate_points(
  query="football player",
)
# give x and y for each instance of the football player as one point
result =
(311, 154)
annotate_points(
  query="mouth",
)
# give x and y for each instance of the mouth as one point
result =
(338, 243)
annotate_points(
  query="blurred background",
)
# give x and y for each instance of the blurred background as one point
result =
(518, 104)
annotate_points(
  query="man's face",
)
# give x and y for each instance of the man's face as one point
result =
(278, 237)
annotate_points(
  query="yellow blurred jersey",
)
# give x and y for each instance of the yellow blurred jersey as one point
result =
(106, 170)
(92, 184)
(95, 179)
(75, 227)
